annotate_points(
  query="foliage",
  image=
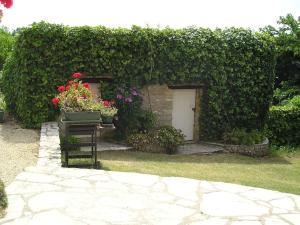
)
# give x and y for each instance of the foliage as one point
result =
(2, 102)
(294, 102)
(279, 150)
(166, 137)
(69, 140)
(285, 92)
(284, 123)
(77, 96)
(131, 118)
(3, 198)
(169, 138)
(6, 43)
(239, 136)
(108, 110)
(287, 38)
(236, 66)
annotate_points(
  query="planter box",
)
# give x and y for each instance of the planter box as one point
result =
(82, 116)
(1, 115)
(107, 120)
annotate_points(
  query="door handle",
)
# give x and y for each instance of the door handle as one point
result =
(194, 109)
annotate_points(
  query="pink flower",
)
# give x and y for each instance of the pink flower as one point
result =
(68, 87)
(119, 96)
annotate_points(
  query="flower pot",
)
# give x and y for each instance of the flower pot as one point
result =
(1, 115)
(82, 116)
(107, 119)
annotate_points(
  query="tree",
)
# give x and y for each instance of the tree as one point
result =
(6, 43)
(287, 37)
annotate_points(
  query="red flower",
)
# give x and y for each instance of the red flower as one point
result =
(86, 85)
(68, 87)
(77, 75)
(61, 88)
(6, 3)
(55, 101)
(106, 103)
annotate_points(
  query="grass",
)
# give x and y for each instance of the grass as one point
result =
(280, 171)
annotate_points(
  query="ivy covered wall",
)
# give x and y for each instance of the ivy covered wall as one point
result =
(235, 65)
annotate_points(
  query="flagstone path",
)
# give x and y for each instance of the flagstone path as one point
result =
(48, 194)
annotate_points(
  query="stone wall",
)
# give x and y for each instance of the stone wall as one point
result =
(159, 99)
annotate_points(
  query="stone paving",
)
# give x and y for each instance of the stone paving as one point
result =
(48, 194)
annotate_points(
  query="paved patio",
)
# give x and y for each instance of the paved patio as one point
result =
(48, 194)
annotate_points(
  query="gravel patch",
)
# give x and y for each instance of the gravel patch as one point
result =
(18, 149)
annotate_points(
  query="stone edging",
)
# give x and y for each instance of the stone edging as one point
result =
(257, 150)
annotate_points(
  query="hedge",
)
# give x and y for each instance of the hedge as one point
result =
(3, 199)
(284, 125)
(235, 65)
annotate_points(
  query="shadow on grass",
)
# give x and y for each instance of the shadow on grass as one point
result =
(133, 156)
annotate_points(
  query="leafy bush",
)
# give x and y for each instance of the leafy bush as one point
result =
(3, 198)
(285, 92)
(235, 65)
(2, 102)
(284, 123)
(169, 138)
(69, 140)
(294, 102)
(6, 43)
(165, 139)
(131, 118)
(243, 137)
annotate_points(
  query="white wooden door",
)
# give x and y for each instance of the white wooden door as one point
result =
(183, 111)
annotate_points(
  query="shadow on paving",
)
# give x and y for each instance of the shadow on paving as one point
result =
(132, 156)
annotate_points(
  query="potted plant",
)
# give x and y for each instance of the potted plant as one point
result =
(108, 112)
(2, 108)
(77, 102)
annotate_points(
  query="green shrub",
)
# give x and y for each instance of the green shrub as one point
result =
(3, 198)
(284, 124)
(169, 138)
(69, 140)
(285, 92)
(2, 102)
(294, 102)
(236, 67)
(243, 137)
(165, 139)
(6, 44)
(131, 118)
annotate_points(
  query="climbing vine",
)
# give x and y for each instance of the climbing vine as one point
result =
(235, 65)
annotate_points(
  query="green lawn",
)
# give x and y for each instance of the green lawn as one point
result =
(281, 172)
